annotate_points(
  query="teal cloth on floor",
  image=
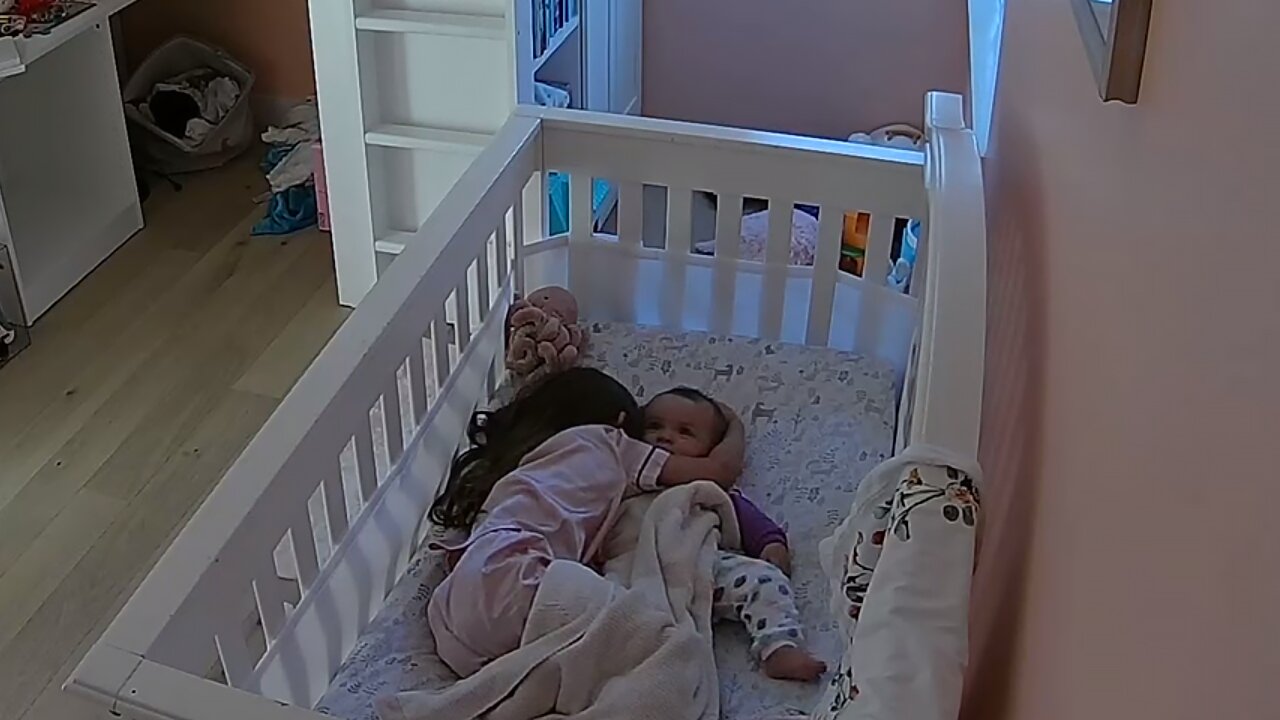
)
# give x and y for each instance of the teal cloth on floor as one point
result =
(289, 211)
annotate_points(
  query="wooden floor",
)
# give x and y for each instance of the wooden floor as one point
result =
(139, 390)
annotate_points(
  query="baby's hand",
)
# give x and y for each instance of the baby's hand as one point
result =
(729, 413)
(778, 555)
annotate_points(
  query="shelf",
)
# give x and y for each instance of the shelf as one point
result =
(557, 41)
(410, 137)
(393, 244)
(489, 27)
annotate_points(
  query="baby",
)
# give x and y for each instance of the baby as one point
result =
(753, 588)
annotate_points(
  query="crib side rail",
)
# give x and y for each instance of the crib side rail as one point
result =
(942, 400)
(320, 471)
(687, 162)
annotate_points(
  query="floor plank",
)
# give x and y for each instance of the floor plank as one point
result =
(54, 415)
(125, 412)
(45, 400)
(30, 660)
(129, 282)
(192, 344)
(39, 570)
(276, 371)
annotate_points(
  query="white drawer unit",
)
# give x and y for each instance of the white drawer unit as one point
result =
(68, 197)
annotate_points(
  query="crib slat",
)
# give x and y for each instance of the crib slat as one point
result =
(920, 272)
(728, 245)
(302, 537)
(500, 253)
(630, 213)
(483, 298)
(630, 234)
(266, 590)
(517, 242)
(879, 246)
(366, 462)
(335, 507)
(418, 385)
(825, 266)
(679, 242)
(462, 310)
(440, 347)
(581, 228)
(875, 274)
(679, 220)
(237, 663)
(491, 381)
(777, 256)
(392, 420)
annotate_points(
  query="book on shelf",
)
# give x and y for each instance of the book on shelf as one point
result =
(550, 17)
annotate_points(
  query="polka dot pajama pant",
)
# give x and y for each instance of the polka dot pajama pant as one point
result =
(758, 595)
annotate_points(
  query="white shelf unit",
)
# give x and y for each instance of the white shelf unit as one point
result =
(597, 55)
(411, 91)
(558, 41)
(433, 23)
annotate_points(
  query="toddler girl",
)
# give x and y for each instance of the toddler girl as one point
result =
(751, 588)
(543, 480)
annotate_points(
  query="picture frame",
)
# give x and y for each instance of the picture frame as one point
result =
(1115, 39)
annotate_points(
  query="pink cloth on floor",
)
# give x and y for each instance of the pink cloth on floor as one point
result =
(559, 504)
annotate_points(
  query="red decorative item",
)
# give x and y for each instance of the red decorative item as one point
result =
(31, 7)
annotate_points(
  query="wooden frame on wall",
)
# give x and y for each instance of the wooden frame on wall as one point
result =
(1117, 54)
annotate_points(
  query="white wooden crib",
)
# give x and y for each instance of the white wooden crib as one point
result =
(251, 611)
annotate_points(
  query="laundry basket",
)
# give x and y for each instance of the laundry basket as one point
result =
(168, 154)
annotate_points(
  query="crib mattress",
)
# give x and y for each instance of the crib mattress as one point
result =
(818, 420)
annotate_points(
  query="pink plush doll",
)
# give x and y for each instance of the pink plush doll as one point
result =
(543, 335)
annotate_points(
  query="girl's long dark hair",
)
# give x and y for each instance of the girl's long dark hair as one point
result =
(499, 439)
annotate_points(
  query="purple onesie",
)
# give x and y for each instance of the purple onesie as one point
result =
(758, 530)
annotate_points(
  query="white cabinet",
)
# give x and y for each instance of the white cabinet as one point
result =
(68, 197)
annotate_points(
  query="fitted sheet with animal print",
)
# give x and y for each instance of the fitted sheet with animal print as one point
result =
(818, 421)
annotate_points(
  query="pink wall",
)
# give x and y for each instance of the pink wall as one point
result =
(1134, 403)
(819, 67)
(272, 37)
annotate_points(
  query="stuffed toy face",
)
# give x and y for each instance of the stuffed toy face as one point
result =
(555, 301)
(543, 336)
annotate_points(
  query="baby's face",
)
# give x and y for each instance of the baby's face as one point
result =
(680, 426)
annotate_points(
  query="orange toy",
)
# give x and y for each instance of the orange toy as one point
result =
(853, 241)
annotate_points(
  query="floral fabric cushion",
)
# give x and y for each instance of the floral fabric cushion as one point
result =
(902, 565)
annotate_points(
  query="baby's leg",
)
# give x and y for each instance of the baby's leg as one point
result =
(758, 595)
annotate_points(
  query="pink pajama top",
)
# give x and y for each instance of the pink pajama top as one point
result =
(559, 504)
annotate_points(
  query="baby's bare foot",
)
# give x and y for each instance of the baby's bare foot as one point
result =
(793, 663)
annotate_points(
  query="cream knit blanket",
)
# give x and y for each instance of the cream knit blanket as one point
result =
(635, 644)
